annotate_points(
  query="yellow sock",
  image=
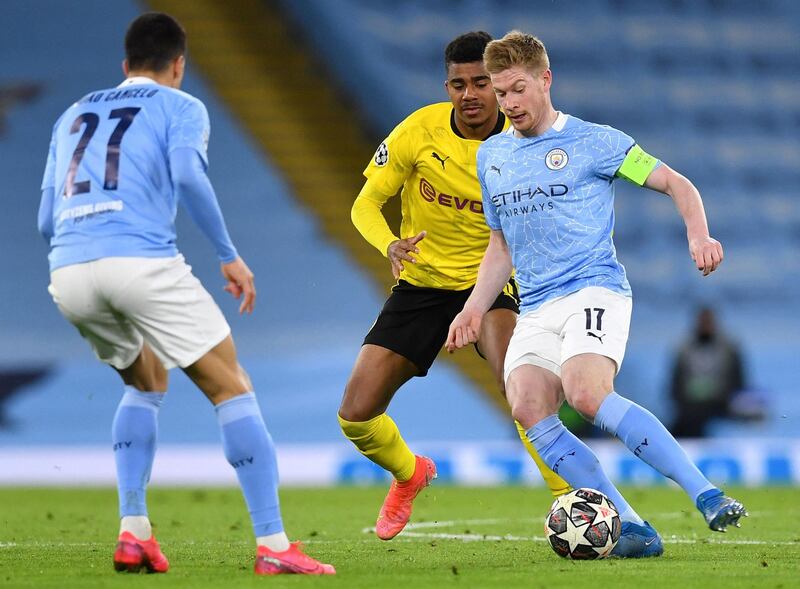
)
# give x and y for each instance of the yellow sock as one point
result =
(379, 440)
(558, 486)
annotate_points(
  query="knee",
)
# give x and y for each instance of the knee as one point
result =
(353, 426)
(529, 407)
(583, 397)
(349, 413)
(350, 409)
(224, 389)
(526, 415)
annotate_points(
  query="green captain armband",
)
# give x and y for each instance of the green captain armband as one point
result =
(637, 165)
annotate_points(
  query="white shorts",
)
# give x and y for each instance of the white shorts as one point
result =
(117, 304)
(593, 320)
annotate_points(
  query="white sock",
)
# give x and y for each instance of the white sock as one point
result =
(276, 542)
(138, 525)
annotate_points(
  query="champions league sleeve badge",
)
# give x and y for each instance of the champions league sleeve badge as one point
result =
(555, 159)
(381, 155)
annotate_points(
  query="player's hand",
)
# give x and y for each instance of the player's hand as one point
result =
(240, 282)
(464, 330)
(706, 253)
(401, 250)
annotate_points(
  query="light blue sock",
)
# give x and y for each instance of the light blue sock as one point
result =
(134, 433)
(575, 462)
(648, 439)
(249, 449)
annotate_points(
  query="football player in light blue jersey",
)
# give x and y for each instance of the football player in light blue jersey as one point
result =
(548, 199)
(120, 159)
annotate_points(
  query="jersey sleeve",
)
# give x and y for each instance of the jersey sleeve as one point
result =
(189, 127)
(611, 147)
(368, 218)
(197, 195)
(489, 210)
(392, 163)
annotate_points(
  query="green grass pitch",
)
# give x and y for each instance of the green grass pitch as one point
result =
(459, 537)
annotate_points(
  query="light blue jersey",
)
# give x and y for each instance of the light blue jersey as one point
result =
(553, 198)
(109, 167)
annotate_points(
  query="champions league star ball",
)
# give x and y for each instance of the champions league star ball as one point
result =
(582, 525)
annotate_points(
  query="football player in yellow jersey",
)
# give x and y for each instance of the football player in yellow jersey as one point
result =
(431, 156)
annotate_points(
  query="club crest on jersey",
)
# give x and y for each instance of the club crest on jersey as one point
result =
(556, 158)
(382, 155)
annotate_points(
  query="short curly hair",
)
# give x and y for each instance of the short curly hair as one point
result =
(466, 48)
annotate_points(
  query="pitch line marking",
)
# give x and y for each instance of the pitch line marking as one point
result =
(410, 534)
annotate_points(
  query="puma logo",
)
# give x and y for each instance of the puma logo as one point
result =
(600, 337)
(437, 157)
(496, 169)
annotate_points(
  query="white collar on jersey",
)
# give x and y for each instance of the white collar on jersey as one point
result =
(558, 125)
(137, 80)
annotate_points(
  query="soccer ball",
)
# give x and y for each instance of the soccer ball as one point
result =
(582, 525)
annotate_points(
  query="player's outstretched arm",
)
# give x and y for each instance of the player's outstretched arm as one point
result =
(240, 284)
(704, 249)
(493, 275)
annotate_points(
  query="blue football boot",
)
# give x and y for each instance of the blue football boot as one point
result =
(720, 510)
(638, 541)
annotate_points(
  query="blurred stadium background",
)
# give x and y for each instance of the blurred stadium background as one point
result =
(300, 92)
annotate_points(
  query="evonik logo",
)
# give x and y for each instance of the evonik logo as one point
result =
(429, 194)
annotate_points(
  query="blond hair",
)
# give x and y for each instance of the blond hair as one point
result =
(516, 49)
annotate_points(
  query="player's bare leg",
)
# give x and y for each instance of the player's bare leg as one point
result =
(249, 449)
(496, 331)
(218, 373)
(147, 373)
(134, 449)
(533, 393)
(377, 375)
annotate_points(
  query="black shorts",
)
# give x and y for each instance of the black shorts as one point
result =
(415, 320)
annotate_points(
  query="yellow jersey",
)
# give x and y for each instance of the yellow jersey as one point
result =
(435, 166)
